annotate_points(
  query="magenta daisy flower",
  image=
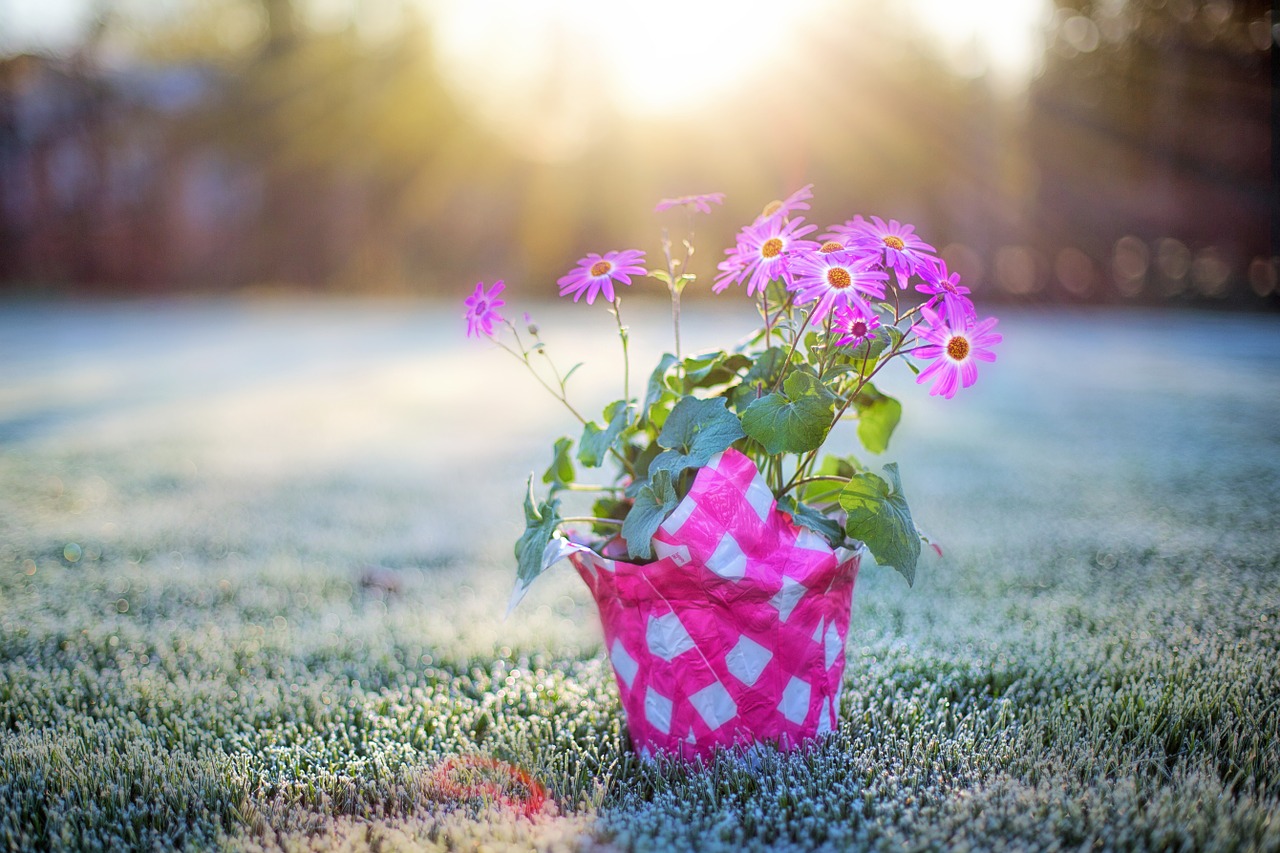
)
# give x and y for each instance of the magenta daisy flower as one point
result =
(596, 274)
(955, 345)
(852, 325)
(701, 203)
(763, 254)
(894, 245)
(837, 277)
(781, 209)
(939, 283)
(482, 310)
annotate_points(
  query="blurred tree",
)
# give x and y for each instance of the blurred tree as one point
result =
(1151, 132)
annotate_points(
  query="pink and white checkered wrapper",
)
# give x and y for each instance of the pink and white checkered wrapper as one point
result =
(735, 635)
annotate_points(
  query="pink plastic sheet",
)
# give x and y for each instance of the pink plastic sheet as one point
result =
(735, 635)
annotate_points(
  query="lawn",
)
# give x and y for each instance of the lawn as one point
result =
(254, 559)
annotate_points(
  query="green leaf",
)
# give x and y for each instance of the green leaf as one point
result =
(869, 350)
(653, 502)
(596, 440)
(806, 516)
(657, 391)
(540, 524)
(795, 421)
(695, 431)
(879, 516)
(762, 376)
(707, 370)
(561, 470)
(878, 415)
(825, 492)
(660, 275)
(609, 507)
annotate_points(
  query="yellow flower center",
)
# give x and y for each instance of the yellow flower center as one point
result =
(831, 246)
(771, 208)
(771, 248)
(601, 268)
(958, 348)
(894, 242)
(839, 278)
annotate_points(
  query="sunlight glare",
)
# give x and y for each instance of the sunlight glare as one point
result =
(1002, 39)
(559, 65)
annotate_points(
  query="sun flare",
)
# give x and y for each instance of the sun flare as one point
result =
(549, 74)
(556, 64)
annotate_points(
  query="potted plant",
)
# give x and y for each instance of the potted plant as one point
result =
(723, 544)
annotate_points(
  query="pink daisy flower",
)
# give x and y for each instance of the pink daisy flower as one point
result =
(596, 274)
(894, 245)
(782, 209)
(852, 325)
(763, 254)
(940, 283)
(701, 203)
(955, 345)
(833, 278)
(482, 310)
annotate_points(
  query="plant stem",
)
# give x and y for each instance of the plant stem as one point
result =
(583, 487)
(626, 359)
(794, 483)
(586, 519)
(675, 316)
(794, 341)
(523, 358)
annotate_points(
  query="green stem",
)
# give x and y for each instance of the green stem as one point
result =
(794, 342)
(821, 478)
(587, 519)
(523, 358)
(675, 316)
(626, 359)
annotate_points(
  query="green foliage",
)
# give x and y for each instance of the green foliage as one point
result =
(764, 373)
(878, 416)
(714, 368)
(695, 431)
(814, 519)
(653, 501)
(658, 392)
(540, 525)
(561, 469)
(879, 516)
(597, 441)
(794, 421)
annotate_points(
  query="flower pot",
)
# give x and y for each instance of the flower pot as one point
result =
(735, 635)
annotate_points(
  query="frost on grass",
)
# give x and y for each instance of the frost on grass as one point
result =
(1092, 665)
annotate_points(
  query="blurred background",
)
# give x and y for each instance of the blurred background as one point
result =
(1056, 151)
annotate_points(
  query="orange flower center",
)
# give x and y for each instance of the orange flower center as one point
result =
(830, 246)
(839, 278)
(771, 208)
(958, 348)
(601, 268)
(771, 248)
(894, 242)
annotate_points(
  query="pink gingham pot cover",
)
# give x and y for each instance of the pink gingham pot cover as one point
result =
(735, 635)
